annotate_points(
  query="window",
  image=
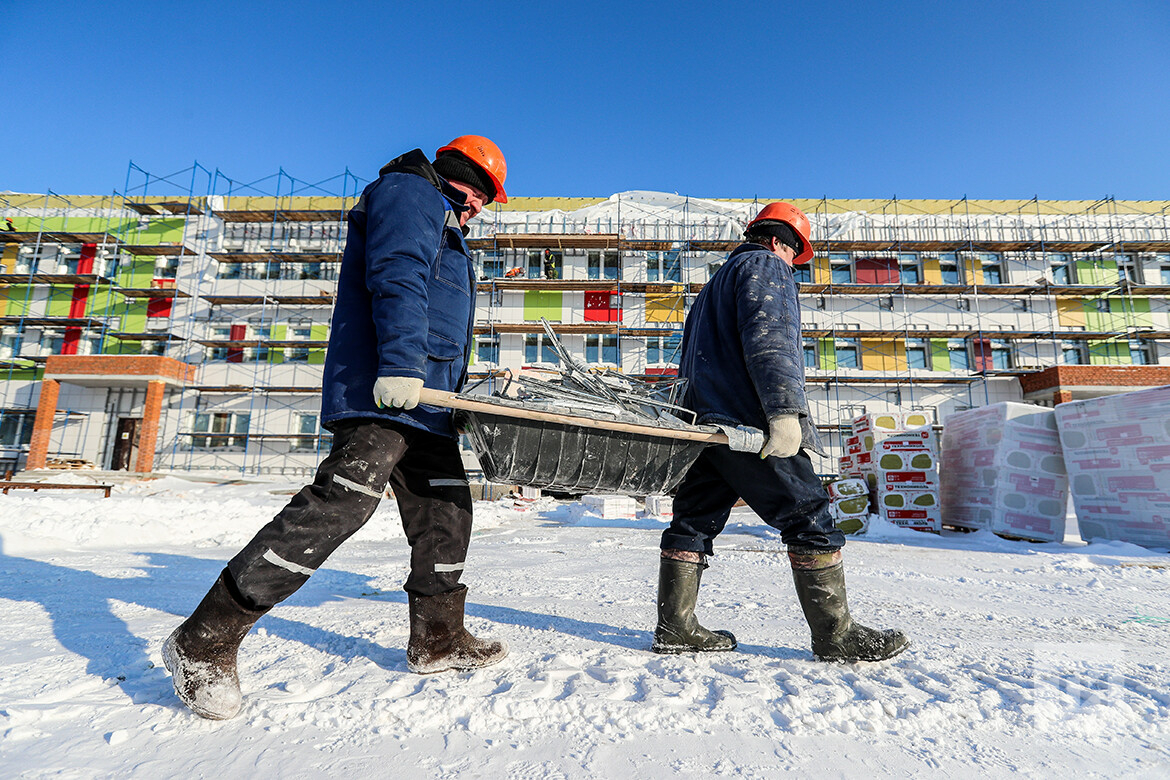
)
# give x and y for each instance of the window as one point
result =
(230, 271)
(713, 268)
(802, 273)
(10, 345)
(492, 266)
(604, 265)
(271, 270)
(156, 347)
(841, 268)
(1072, 353)
(1058, 263)
(909, 268)
(664, 349)
(1001, 355)
(487, 349)
(538, 349)
(219, 333)
(602, 348)
(810, 354)
(309, 271)
(166, 267)
(1128, 269)
(917, 353)
(306, 424)
(957, 351)
(545, 263)
(16, 428)
(847, 353)
(664, 266)
(992, 265)
(948, 267)
(1140, 353)
(222, 430)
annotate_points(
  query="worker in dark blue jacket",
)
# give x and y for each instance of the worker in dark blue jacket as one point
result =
(403, 317)
(742, 357)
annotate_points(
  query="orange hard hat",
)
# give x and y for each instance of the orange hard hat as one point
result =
(486, 155)
(794, 218)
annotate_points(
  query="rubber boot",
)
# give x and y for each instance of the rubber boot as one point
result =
(201, 653)
(438, 640)
(678, 630)
(820, 586)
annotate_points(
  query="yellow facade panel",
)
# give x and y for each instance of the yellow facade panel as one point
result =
(1070, 312)
(931, 274)
(883, 355)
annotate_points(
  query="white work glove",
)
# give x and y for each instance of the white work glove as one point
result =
(397, 391)
(784, 436)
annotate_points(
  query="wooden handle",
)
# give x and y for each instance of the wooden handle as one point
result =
(456, 401)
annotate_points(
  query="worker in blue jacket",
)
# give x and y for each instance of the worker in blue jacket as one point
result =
(402, 318)
(742, 357)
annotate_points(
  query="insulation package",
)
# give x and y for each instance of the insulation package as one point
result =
(1117, 450)
(1003, 470)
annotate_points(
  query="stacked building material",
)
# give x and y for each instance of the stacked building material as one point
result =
(660, 506)
(1002, 469)
(1117, 450)
(900, 466)
(849, 499)
(610, 507)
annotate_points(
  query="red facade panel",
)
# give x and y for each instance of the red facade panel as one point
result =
(603, 306)
(877, 270)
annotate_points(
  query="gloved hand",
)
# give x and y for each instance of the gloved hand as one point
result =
(397, 391)
(784, 436)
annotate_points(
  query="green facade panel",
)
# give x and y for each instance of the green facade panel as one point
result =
(1096, 272)
(60, 301)
(940, 356)
(543, 303)
(18, 300)
(827, 353)
(318, 333)
(279, 333)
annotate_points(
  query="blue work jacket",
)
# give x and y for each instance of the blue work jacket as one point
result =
(742, 353)
(405, 296)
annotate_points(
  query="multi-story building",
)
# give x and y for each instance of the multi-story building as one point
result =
(189, 332)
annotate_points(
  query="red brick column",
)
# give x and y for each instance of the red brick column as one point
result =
(1061, 396)
(148, 433)
(38, 448)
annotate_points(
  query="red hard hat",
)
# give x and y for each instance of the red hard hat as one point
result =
(486, 155)
(794, 218)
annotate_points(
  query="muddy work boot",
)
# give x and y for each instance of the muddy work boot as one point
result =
(201, 653)
(820, 586)
(678, 630)
(438, 640)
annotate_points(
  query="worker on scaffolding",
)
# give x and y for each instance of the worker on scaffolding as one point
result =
(742, 357)
(403, 316)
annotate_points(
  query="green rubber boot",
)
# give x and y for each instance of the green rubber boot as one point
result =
(820, 586)
(678, 629)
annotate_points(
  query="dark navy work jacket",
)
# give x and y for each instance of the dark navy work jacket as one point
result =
(742, 353)
(405, 296)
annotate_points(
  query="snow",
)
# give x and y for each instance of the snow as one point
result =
(1029, 658)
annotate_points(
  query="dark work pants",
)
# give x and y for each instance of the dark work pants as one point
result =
(429, 483)
(785, 492)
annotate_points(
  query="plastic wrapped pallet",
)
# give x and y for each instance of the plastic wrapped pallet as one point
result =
(611, 507)
(905, 480)
(1002, 469)
(660, 506)
(1117, 450)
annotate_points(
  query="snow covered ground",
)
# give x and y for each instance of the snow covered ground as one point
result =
(1035, 659)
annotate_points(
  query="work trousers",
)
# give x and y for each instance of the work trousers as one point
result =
(430, 485)
(785, 492)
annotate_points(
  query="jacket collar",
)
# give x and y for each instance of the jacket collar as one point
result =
(416, 162)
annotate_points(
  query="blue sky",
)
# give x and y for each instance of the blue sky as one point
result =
(732, 99)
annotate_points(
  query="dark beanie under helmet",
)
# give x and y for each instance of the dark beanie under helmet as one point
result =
(454, 166)
(781, 230)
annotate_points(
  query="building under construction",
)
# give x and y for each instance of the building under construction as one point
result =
(182, 322)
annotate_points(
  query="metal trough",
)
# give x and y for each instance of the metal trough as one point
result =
(573, 458)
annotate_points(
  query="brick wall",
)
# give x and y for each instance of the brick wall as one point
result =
(1095, 376)
(64, 366)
